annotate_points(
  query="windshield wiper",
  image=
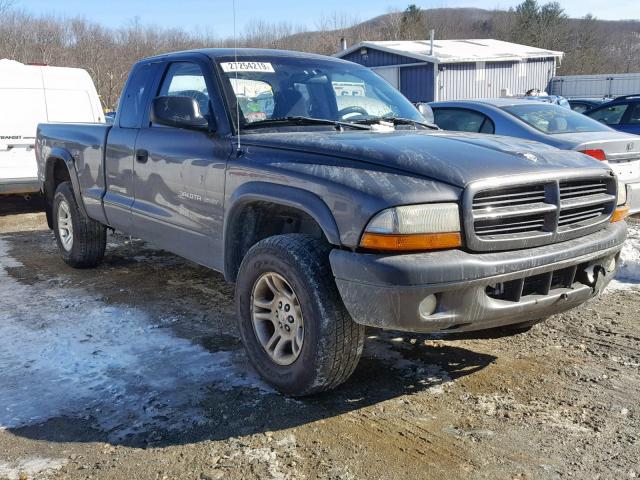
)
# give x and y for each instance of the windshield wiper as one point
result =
(396, 121)
(299, 120)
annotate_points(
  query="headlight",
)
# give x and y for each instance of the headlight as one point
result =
(414, 227)
(622, 193)
(622, 211)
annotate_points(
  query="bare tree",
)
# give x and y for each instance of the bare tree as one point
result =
(6, 5)
(590, 45)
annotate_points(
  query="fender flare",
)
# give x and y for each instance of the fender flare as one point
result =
(303, 200)
(58, 153)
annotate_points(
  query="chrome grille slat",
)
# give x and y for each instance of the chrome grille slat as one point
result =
(491, 198)
(580, 216)
(515, 211)
(519, 201)
(507, 224)
(567, 188)
(585, 201)
(509, 197)
(585, 191)
(511, 229)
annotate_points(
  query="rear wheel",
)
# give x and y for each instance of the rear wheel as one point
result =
(81, 240)
(295, 329)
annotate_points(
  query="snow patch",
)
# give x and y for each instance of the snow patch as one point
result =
(30, 468)
(628, 276)
(66, 353)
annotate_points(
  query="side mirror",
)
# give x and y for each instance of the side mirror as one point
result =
(426, 111)
(179, 112)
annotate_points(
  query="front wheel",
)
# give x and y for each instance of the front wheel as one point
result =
(81, 240)
(294, 326)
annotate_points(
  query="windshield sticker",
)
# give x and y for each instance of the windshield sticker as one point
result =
(262, 67)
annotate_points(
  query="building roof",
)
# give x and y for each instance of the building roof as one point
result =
(457, 51)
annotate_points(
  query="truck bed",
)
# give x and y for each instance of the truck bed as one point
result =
(87, 143)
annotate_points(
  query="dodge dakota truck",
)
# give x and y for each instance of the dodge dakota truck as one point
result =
(330, 211)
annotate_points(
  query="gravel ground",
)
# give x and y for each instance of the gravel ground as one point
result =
(134, 371)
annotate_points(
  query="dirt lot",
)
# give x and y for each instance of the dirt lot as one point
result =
(134, 371)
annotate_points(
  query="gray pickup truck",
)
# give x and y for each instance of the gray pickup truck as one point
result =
(331, 203)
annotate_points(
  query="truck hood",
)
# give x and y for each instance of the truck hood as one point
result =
(452, 157)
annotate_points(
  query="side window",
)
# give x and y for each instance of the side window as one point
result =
(610, 115)
(461, 120)
(185, 79)
(133, 100)
(634, 114)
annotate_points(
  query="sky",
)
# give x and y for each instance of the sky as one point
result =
(216, 16)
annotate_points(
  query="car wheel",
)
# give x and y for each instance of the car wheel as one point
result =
(294, 326)
(81, 240)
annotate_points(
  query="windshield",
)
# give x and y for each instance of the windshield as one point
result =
(554, 119)
(274, 87)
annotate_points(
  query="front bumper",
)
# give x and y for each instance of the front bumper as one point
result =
(476, 291)
(14, 186)
(633, 197)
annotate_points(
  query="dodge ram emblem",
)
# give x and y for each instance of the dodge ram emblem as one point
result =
(629, 146)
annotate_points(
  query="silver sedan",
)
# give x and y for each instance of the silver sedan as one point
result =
(550, 124)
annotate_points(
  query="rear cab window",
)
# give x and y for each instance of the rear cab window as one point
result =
(133, 101)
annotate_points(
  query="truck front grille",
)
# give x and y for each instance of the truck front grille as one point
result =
(537, 213)
(583, 202)
(511, 210)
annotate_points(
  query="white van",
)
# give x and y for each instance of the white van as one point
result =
(30, 95)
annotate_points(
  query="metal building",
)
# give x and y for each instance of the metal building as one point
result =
(430, 70)
(596, 86)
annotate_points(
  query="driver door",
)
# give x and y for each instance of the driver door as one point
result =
(179, 173)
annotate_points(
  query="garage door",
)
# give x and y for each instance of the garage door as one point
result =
(390, 74)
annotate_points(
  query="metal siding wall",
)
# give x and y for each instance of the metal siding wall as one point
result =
(463, 81)
(378, 58)
(595, 85)
(416, 83)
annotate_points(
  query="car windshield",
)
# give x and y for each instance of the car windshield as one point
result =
(270, 88)
(553, 119)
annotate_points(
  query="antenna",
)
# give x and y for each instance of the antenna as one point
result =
(235, 59)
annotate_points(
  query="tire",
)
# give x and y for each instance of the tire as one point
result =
(81, 240)
(331, 341)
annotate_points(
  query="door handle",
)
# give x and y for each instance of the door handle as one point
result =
(142, 156)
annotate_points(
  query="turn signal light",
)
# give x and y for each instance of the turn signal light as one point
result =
(620, 213)
(596, 153)
(419, 241)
